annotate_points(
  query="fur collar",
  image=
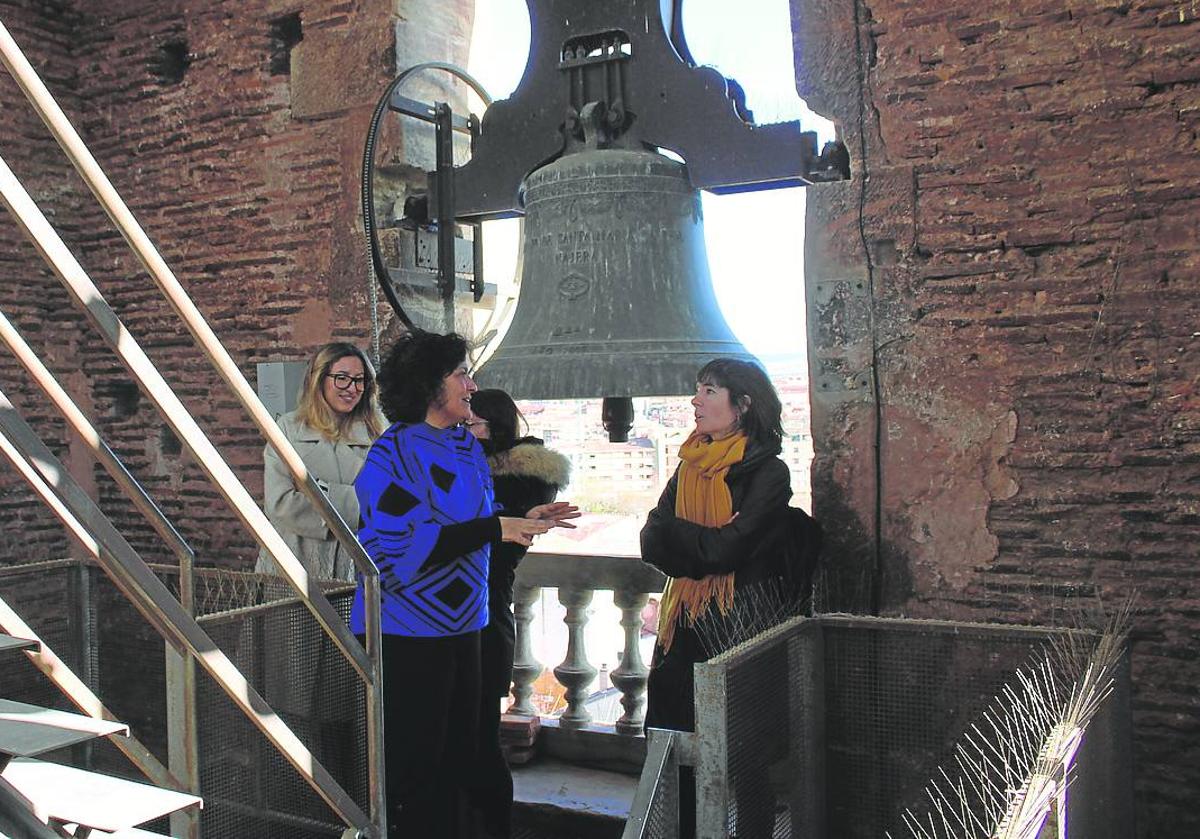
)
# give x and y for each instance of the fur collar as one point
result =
(532, 460)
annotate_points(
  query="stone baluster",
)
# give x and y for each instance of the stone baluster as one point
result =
(575, 673)
(526, 668)
(630, 677)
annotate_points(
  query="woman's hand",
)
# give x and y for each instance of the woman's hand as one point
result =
(556, 513)
(522, 531)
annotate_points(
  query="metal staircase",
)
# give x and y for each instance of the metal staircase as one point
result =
(42, 798)
(193, 653)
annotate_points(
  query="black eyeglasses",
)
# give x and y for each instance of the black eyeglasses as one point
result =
(343, 381)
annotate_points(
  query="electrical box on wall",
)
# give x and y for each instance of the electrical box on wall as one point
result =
(279, 385)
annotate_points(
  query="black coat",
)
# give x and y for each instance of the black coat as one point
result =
(524, 476)
(767, 542)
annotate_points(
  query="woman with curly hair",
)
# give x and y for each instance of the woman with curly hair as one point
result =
(428, 521)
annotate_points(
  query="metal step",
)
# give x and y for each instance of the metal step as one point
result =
(28, 730)
(100, 802)
(8, 642)
(132, 833)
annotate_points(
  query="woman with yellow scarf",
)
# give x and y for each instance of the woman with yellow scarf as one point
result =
(720, 525)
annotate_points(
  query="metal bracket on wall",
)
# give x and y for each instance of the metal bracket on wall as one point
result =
(840, 335)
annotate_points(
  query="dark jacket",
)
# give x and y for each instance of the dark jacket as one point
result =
(523, 477)
(767, 542)
(760, 487)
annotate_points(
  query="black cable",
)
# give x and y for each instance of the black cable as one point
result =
(876, 388)
(367, 194)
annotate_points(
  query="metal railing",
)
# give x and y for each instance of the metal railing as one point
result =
(95, 533)
(655, 807)
(45, 659)
(835, 725)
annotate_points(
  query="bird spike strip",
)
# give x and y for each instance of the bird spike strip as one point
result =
(756, 608)
(1012, 764)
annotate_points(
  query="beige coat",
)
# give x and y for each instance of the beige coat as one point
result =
(301, 526)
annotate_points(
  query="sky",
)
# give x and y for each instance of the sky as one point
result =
(755, 240)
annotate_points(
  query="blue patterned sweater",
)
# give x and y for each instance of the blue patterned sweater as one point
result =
(427, 518)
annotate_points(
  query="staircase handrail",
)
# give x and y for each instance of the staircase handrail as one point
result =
(67, 407)
(112, 203)
(97, 536)
(54, 251)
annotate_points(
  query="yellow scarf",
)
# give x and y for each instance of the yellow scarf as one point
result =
(701, 497)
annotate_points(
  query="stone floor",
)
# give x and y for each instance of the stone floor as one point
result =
(565, 801)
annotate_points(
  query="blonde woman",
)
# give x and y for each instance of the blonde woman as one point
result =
(332, 428)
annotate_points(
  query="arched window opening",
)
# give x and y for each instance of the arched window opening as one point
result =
(755, 243)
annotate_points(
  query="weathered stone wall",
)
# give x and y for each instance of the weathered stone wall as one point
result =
(234, 129)
(1003, 307)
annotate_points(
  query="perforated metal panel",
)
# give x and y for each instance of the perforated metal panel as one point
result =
(130, 668)
(81, 615)
(832, 726)
(759, 732)
(42, 595)
(663, 818)
(654, 812)
(899, 694)
(754, 714)
(249, 789)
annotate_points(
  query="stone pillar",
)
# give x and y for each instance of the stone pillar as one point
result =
(526, 668)
(630, 677)
(575, 673)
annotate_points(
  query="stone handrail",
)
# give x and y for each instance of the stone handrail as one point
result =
(576, 577)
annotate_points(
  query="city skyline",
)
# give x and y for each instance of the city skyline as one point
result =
(616, 484)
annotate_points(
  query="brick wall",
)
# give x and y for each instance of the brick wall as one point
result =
(234, 130)
(1004, 303)
(29, 296)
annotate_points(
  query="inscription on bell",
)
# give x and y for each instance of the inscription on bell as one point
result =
(567, 238)
(580, 245)
(574, 286)
(575, 257)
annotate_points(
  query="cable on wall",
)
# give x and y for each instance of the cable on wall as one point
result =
(864, 77)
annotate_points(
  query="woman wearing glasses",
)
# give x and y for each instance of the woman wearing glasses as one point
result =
(332, 428)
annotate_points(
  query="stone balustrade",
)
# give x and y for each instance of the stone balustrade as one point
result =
(576, 577)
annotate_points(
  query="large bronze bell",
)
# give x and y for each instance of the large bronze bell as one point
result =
(616, 296)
